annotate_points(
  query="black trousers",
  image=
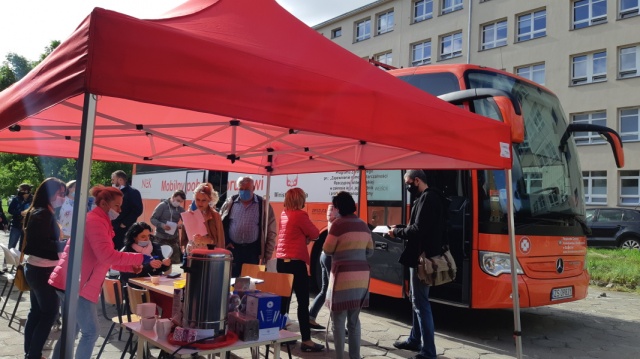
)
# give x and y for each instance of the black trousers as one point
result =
(301, 287)
(244, 253)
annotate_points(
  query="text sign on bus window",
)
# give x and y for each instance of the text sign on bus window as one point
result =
(161, 185)
(320, 187)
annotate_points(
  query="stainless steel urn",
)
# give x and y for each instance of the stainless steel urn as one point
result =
(207, 291)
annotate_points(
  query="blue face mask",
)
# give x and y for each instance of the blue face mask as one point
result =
(245, 194)
(143, 243)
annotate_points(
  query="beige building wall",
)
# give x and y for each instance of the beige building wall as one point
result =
(555, 50)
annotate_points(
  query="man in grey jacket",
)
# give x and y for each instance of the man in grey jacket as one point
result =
(244, 231)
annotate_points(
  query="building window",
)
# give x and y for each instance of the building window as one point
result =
(363, 30)
(589, 68)
(595, 118)
(630, 124)
(494, 35)
(532, 25)
(629, 8)
(451, 6)
(629, 187)
(589, 12)
(451, 46)
(422, 10)
(533, 73)
(595, 187)
(421, 53)
(629, 61)
(385, 58)
(336, 33)
(385, 22)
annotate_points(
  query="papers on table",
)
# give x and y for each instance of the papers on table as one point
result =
(172, 229)
(193, 223)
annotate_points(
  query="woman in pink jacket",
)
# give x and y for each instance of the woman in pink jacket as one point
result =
(98, 256)
(296, 230)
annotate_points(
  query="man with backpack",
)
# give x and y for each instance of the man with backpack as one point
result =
(425, 233)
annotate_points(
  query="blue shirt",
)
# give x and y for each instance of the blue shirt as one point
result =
(244, 221)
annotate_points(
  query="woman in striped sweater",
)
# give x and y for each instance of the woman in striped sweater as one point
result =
(349, 243)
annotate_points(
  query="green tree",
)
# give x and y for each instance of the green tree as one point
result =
(48, 49)
(7, 77)
(19, 65)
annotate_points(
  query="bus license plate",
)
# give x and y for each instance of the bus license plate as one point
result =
(561, 293)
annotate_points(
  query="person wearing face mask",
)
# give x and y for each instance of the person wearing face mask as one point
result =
(205, 198)
(19, 204)
(425, 233)
(165, 218)
(138, 239)
(244, 228)
(131, 207)
(98, 255)
(41, 248)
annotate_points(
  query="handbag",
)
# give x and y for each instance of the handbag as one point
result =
(437, 270)
(19, 280)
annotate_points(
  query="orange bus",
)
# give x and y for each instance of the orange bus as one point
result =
(547, 195)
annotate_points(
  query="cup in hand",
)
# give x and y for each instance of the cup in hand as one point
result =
(148, 323)
(155, 279)
(146, 310)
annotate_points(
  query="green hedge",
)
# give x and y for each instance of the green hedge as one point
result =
(618, 267)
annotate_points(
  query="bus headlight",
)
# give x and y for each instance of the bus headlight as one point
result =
(495, 264)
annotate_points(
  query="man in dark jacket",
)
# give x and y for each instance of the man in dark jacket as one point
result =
(131, 207)
(19, 204)
(425, 233)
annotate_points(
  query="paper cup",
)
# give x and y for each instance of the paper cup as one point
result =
(148, 323)
(163, 327)
(155, 279)
(146, 310)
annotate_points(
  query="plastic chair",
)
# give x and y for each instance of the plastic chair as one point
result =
(13, 261)
(251, 270)
(280, 284)
(112, 294)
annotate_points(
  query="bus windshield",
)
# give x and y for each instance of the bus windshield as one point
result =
(546, 178)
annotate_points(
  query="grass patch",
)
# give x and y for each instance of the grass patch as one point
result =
(616, 267)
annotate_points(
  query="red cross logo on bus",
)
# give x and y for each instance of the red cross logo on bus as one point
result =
(525, 245)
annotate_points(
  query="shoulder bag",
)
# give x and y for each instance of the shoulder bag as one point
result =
(437, 270)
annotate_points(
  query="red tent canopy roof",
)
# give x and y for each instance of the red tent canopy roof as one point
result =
(237, 85)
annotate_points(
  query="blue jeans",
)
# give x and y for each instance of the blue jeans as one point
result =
(44, 308)
(15, 236)
(353, 324)
(318, 301)
(88, 325)
(423, 330)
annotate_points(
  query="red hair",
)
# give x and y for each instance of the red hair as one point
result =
(102, 193)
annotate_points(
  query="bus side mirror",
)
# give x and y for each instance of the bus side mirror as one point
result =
(511, 117)
(611, 136)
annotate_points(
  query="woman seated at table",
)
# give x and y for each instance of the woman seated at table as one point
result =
(138, 240)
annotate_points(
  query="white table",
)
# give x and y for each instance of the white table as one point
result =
(150, 337)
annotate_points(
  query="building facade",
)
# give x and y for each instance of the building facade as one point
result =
(587, 52)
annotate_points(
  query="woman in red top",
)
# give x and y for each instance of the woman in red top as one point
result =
(296, 230)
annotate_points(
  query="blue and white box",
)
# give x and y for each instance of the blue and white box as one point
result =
(265, 307)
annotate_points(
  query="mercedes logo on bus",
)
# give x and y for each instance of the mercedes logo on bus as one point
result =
(559, 265)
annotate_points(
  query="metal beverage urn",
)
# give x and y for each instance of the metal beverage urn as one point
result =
(207, 291)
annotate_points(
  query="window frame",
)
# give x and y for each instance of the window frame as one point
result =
(337, 32)
(532, 70)
(366, 36)
(532, 21)
(495, 28)
(633, 176)
(378, 57)
(591, 138)
(589, 76)
(423, 61)
(629, 73)
(426, 15)
(455, 6)
(635, 135)
(629, 12)
(389, 28)
(588, 178)
(591, 20)
(452, 54)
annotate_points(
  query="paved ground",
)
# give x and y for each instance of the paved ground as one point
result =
(601, 326)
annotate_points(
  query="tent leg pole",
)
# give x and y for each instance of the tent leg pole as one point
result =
(78, 225)
(517, 329)
(265, 223)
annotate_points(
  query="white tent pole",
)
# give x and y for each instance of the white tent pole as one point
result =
(517, 329)
(78, 223)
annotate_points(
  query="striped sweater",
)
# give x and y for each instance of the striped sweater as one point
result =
(349, 243)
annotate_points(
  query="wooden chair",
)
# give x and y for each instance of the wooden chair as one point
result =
(112, 294)
(280, 284)
(251, 270)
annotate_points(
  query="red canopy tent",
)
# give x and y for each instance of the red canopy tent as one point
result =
(236, 85)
